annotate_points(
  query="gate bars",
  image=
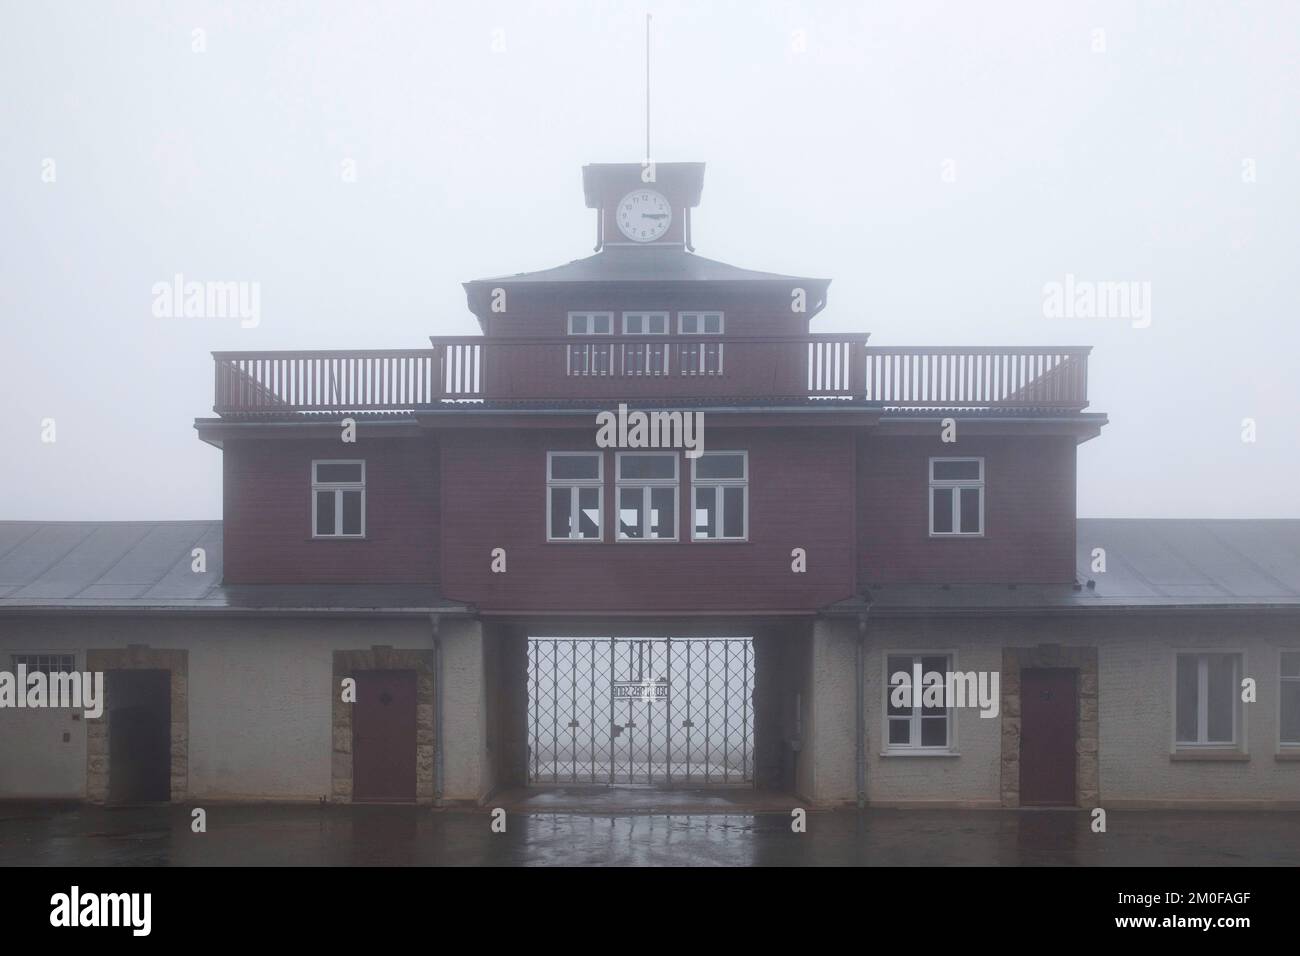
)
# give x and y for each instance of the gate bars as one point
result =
(648, 711)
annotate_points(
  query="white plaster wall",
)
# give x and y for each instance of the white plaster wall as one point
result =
(1135, 703)
(828, 763)
(34, 759)
(260, 695)
(1135, 707)
(970, 778)
(467, 773)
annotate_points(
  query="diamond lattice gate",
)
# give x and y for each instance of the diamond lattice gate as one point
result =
(663, 712)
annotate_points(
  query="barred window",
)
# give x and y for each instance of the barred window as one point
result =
(47, 664)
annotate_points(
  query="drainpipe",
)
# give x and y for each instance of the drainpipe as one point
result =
(436, 621)
(860, 679)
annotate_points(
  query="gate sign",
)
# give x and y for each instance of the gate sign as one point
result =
(641, 689)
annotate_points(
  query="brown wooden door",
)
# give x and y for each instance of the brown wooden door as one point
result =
(1047, 737)
(383, 737)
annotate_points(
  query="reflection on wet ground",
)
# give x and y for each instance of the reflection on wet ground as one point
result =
(270, 835)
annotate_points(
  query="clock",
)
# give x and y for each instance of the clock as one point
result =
(644, 215)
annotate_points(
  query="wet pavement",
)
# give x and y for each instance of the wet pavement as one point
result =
(280, 835)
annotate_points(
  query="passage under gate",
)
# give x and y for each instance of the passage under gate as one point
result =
(659, 711)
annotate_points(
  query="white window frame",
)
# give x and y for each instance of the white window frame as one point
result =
(574, 484)
(717, 484)
(957, 485)
(587, 318)
(701, 365)
(646, 484)
(338, 487)
(641, 359)
(1287, 746)
(587, 350)
(699, 314)
(1238, 741)
(910, 749)
(641, 314)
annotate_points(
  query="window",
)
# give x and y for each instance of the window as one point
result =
(704, 358)
(957, 496)
(1289, 700)
(699, 323)
(916, 728)
(647, 496)
(591, 323)
(574, 496)
(1205, 708)
(645, 358)
(591, 358)
(645, 323)
(720, 486)
(338, 491)
(47, 664)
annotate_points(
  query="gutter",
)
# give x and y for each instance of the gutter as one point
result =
(860, 675)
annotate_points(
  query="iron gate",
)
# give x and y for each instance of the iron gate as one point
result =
(659, 711)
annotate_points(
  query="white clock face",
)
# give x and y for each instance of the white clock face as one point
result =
(644, 215)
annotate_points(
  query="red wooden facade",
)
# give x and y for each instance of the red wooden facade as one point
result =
(839, 436)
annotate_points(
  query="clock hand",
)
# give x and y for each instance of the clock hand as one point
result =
(654, 215)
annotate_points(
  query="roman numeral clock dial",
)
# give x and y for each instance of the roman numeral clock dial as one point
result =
(644, 215)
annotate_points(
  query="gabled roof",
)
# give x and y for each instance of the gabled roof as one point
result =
(146, 566)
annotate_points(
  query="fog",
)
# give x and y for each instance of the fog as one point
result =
(942, 163)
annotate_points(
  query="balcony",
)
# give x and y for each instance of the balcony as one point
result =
(827, 366)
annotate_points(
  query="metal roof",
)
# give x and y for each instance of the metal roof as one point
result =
(646, 264)
(1151, 563)
(147, 566)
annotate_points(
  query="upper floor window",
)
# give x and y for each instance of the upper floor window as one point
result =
(957, 496)
(338, 491)
(720, 488)
(1206, 697)
(913, 726)
(591, 323)
(699, 323)
(590, 358)
(645, 323)
(1289, 703)
(574, 495)
(704, 358)
(647, 495)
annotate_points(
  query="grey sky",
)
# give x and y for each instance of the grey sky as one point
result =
(1125, 164)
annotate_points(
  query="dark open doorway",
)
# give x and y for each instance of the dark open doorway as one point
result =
(139, 735)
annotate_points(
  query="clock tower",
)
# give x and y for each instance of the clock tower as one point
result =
(643, 204)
